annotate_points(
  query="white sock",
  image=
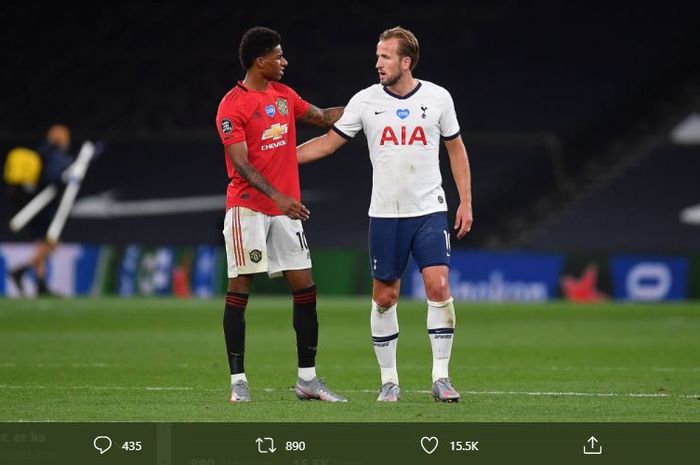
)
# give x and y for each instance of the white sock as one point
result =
(441, 326)
(384, 324)
(238, 377)
(307, 374)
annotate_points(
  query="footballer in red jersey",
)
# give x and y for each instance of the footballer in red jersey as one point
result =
(264, 120)
(262, 227)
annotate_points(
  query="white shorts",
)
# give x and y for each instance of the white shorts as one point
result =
(258, 243)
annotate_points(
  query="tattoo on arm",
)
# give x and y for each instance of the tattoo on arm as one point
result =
(323, 118)
(254, 178)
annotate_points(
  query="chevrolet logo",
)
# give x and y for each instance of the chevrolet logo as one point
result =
(275, 131)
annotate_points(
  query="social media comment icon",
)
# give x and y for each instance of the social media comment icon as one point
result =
(102, 444)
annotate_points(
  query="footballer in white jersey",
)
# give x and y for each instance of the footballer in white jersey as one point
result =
(404, 120)
(403, 135)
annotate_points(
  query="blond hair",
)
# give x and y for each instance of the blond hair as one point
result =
(408, 43)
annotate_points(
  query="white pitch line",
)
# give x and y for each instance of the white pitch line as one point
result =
(371, 391)
(169, 388)
(582, 394)
(604, 368)
(103, 388)
(546, 393)
(491, 368)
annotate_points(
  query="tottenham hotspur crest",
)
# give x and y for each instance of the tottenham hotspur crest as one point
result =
(282, 106)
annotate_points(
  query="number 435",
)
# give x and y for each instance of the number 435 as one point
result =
(132, 446)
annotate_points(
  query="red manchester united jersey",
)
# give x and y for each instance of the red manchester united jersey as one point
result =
(264, 120)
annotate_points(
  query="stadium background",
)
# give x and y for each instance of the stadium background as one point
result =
(578, 121)
(572, 114)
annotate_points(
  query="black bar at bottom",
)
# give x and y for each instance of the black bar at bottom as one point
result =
(347, 443)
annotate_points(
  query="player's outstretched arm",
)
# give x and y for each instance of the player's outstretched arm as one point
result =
(459, 163)
(319, 147)
(288, 205)
(323, 118)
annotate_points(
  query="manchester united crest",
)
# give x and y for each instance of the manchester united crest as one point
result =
(282, 106)
(255, 255)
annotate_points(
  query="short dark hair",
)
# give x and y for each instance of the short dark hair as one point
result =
(256, 42)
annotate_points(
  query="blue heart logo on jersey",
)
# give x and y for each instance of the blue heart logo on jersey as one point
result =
(270, 110)
(403, 114)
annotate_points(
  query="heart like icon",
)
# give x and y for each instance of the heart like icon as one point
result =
(403, 113)
(429, 444)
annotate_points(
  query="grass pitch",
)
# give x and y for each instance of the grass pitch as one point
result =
(164, 360)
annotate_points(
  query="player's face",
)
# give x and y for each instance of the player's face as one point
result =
(273, 64)
(389, 62)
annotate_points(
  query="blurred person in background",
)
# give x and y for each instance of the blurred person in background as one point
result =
(26, 173)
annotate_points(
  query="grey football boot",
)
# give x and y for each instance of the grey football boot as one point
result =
(240, 391)
(316, 389)
(390, 392)
(443, 391)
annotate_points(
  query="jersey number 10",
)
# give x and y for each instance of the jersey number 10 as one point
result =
(302, 241)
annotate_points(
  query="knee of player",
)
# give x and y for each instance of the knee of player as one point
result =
(437, 291)
(386, 299)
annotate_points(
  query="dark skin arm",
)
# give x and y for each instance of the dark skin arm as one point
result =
(323, 118)
(288, 205)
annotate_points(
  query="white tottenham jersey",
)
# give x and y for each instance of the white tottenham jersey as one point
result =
(403, 136)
